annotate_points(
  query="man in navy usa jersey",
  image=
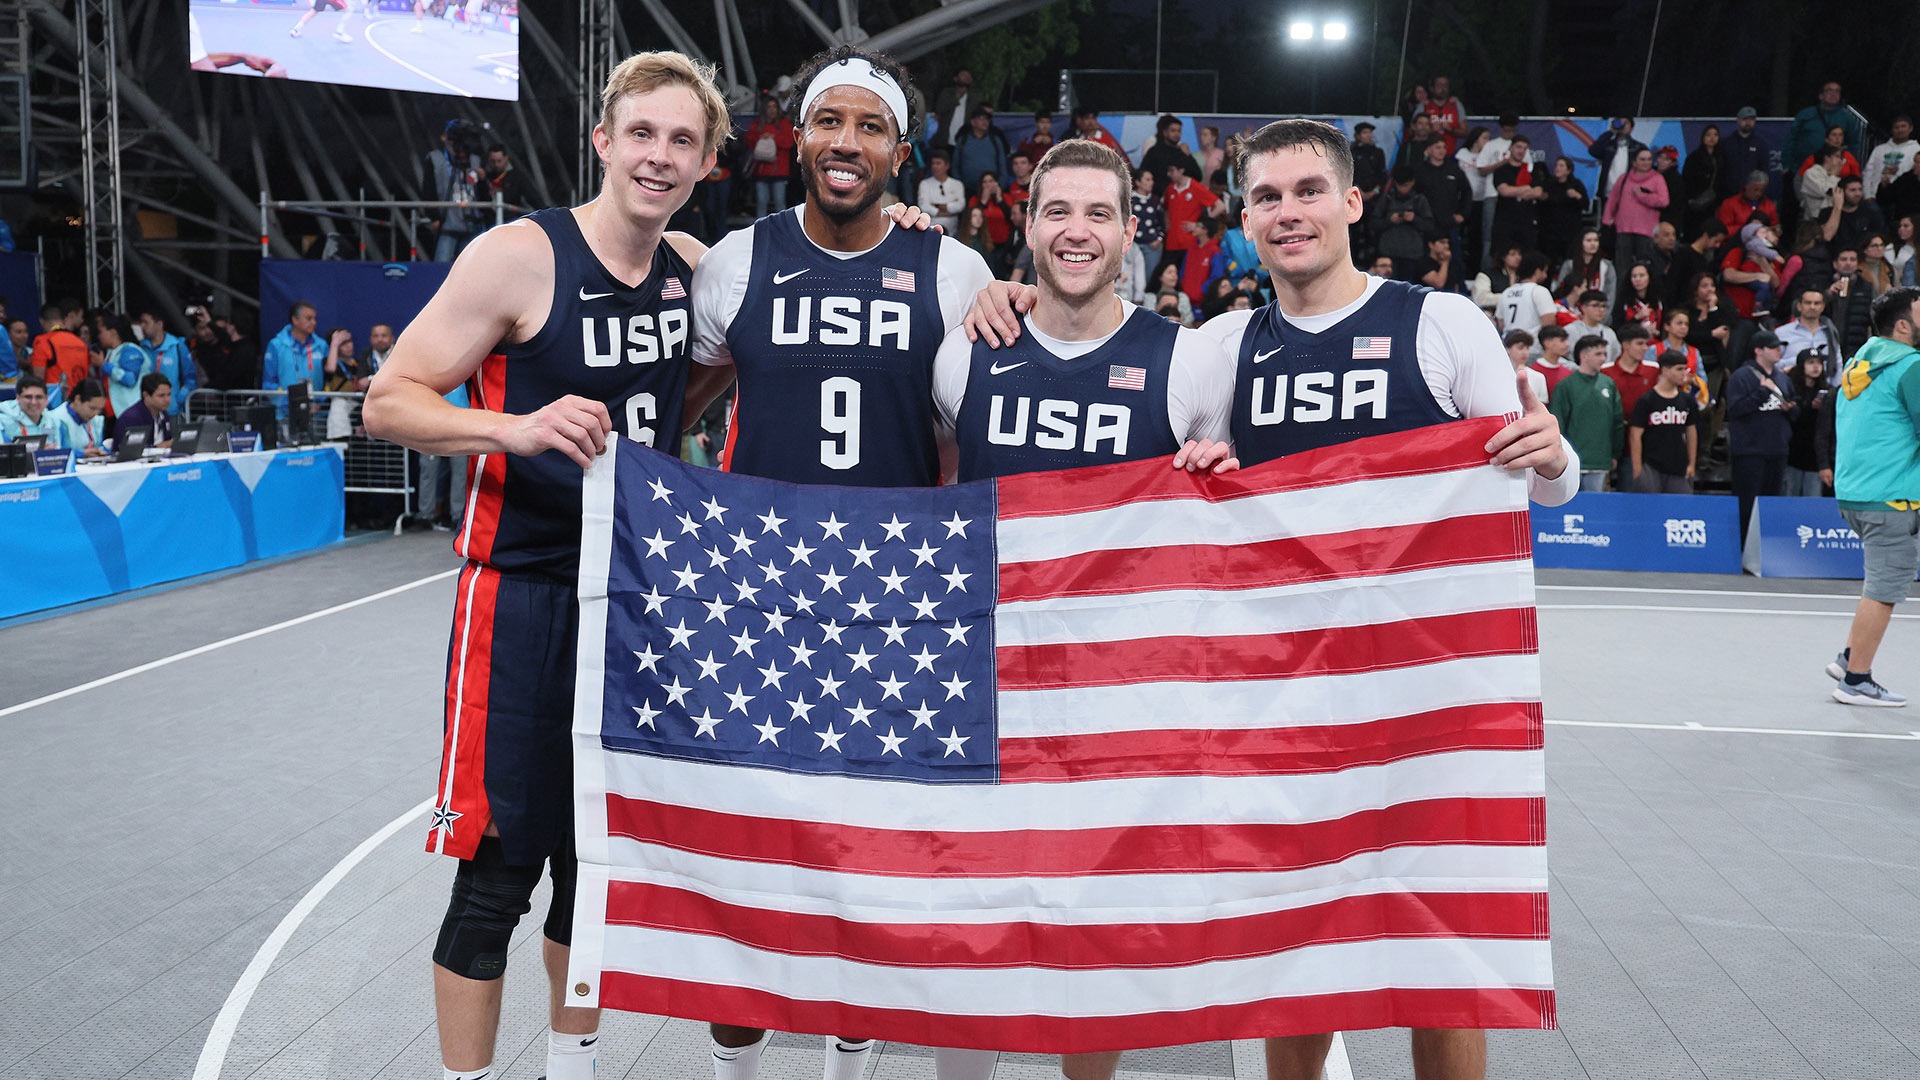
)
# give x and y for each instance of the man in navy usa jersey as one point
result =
(829, 317)
(1094, 379)
(1340, 355)
(565, 326)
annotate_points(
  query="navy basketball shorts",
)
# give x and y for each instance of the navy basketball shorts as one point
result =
(507, 756)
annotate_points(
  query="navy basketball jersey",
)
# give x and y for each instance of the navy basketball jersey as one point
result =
(1027, 410)
(624, 347)
(1297, 391)
(834, 359)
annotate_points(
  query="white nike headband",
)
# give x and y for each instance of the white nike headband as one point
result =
(861, 72)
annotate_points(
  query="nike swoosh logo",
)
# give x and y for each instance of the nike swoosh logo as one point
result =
(585, 295)
(782, 279)
(996, 369)
(1259, 356)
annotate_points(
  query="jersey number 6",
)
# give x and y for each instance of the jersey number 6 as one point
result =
(840, 416)
(641, 408)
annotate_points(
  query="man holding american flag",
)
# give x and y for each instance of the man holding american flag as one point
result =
(1339, 355)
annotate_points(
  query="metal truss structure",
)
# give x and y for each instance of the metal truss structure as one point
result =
(168, 169)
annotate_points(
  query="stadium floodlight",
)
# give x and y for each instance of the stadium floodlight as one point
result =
(1334, 31)
(1300, 30)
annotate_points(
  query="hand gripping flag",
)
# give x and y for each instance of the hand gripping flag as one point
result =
(1110, 758)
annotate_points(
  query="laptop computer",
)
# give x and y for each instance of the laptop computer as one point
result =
(33, 443)
(134, 445)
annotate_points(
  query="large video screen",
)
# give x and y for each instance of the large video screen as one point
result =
(466, 47)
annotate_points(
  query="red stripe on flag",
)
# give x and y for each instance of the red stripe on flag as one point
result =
(1292, 560)
(1338, 650)
(1287, 751)
(1125, 849)
(1442, 448)
(1067, 947)
(1305, 1015)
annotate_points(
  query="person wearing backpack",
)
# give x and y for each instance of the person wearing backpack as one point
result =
(769, 146)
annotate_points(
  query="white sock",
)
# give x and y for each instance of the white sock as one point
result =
(846, 1060)
(739, 1062)
(455, 1074)
(571, 1057)
(951, 1064)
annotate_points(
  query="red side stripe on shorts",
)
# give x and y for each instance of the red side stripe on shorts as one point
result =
(733, 432)
(486, 473)
(461, 811)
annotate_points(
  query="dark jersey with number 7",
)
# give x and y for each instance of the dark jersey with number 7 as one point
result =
(624, 347)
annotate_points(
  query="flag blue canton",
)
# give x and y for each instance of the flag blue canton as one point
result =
(809, 629)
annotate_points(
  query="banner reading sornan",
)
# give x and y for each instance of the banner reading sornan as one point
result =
(1103, 759)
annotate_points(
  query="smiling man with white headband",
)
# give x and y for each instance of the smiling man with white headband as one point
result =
(830, 317)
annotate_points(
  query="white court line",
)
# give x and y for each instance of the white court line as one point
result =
(1698, 592)
(1705, 610)
(1338, 1067)
(213, 1055)
(221, 644)
(1888, 736)
(381, 49)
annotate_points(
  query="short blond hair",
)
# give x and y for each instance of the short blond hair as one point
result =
(645, 72)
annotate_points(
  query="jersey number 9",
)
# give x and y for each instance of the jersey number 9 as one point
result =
(840, 417)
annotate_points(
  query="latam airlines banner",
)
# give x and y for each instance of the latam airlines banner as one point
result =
(1615, 531)
(1803, 538)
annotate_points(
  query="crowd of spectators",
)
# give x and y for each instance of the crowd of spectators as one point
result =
(1684, 320)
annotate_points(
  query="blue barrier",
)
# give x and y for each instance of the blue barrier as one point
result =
(1804, 538)
(1613, 531)
(107, 529)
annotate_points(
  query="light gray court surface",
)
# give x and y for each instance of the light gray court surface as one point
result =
(1725, 903)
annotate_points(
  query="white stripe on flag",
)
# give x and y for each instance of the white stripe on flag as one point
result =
(1367, 504)
(1091, 804)
(1084, 901)
(1258, 705)
(1313, 605)
(1322, 969)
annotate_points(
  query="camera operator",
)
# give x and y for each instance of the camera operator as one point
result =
(457, 177)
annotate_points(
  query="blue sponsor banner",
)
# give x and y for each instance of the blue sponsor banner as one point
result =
(1803, 538)
(1695, 534)
(110, 528)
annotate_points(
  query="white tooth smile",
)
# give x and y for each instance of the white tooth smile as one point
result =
(655, 185)
(842, 176)
(1077, 257)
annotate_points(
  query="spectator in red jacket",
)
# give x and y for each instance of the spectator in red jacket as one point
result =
(1449, 117)
(1187, 199)
(1740, 207)
(770, 149)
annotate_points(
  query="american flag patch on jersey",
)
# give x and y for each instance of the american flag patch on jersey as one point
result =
(896, 279)
(1120, 377)
(673, 290)
(1372, 348)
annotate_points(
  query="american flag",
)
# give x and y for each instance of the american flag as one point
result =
(896, 279)
(1372, 348)
(673, 290)
(1121, 377)
(1101, 759)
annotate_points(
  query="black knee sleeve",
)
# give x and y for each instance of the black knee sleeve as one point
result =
(489, 897)
(559, 926)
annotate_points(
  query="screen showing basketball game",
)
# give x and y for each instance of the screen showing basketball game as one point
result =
(470, 48)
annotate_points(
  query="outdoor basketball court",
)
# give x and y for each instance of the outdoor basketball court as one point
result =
(212, 864)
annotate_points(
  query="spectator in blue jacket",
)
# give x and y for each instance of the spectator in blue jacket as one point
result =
(979, 148)
(76, 424)
(15, 350)
(170, 356)
(294, 355)
(1745, 151)
(125, 362)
